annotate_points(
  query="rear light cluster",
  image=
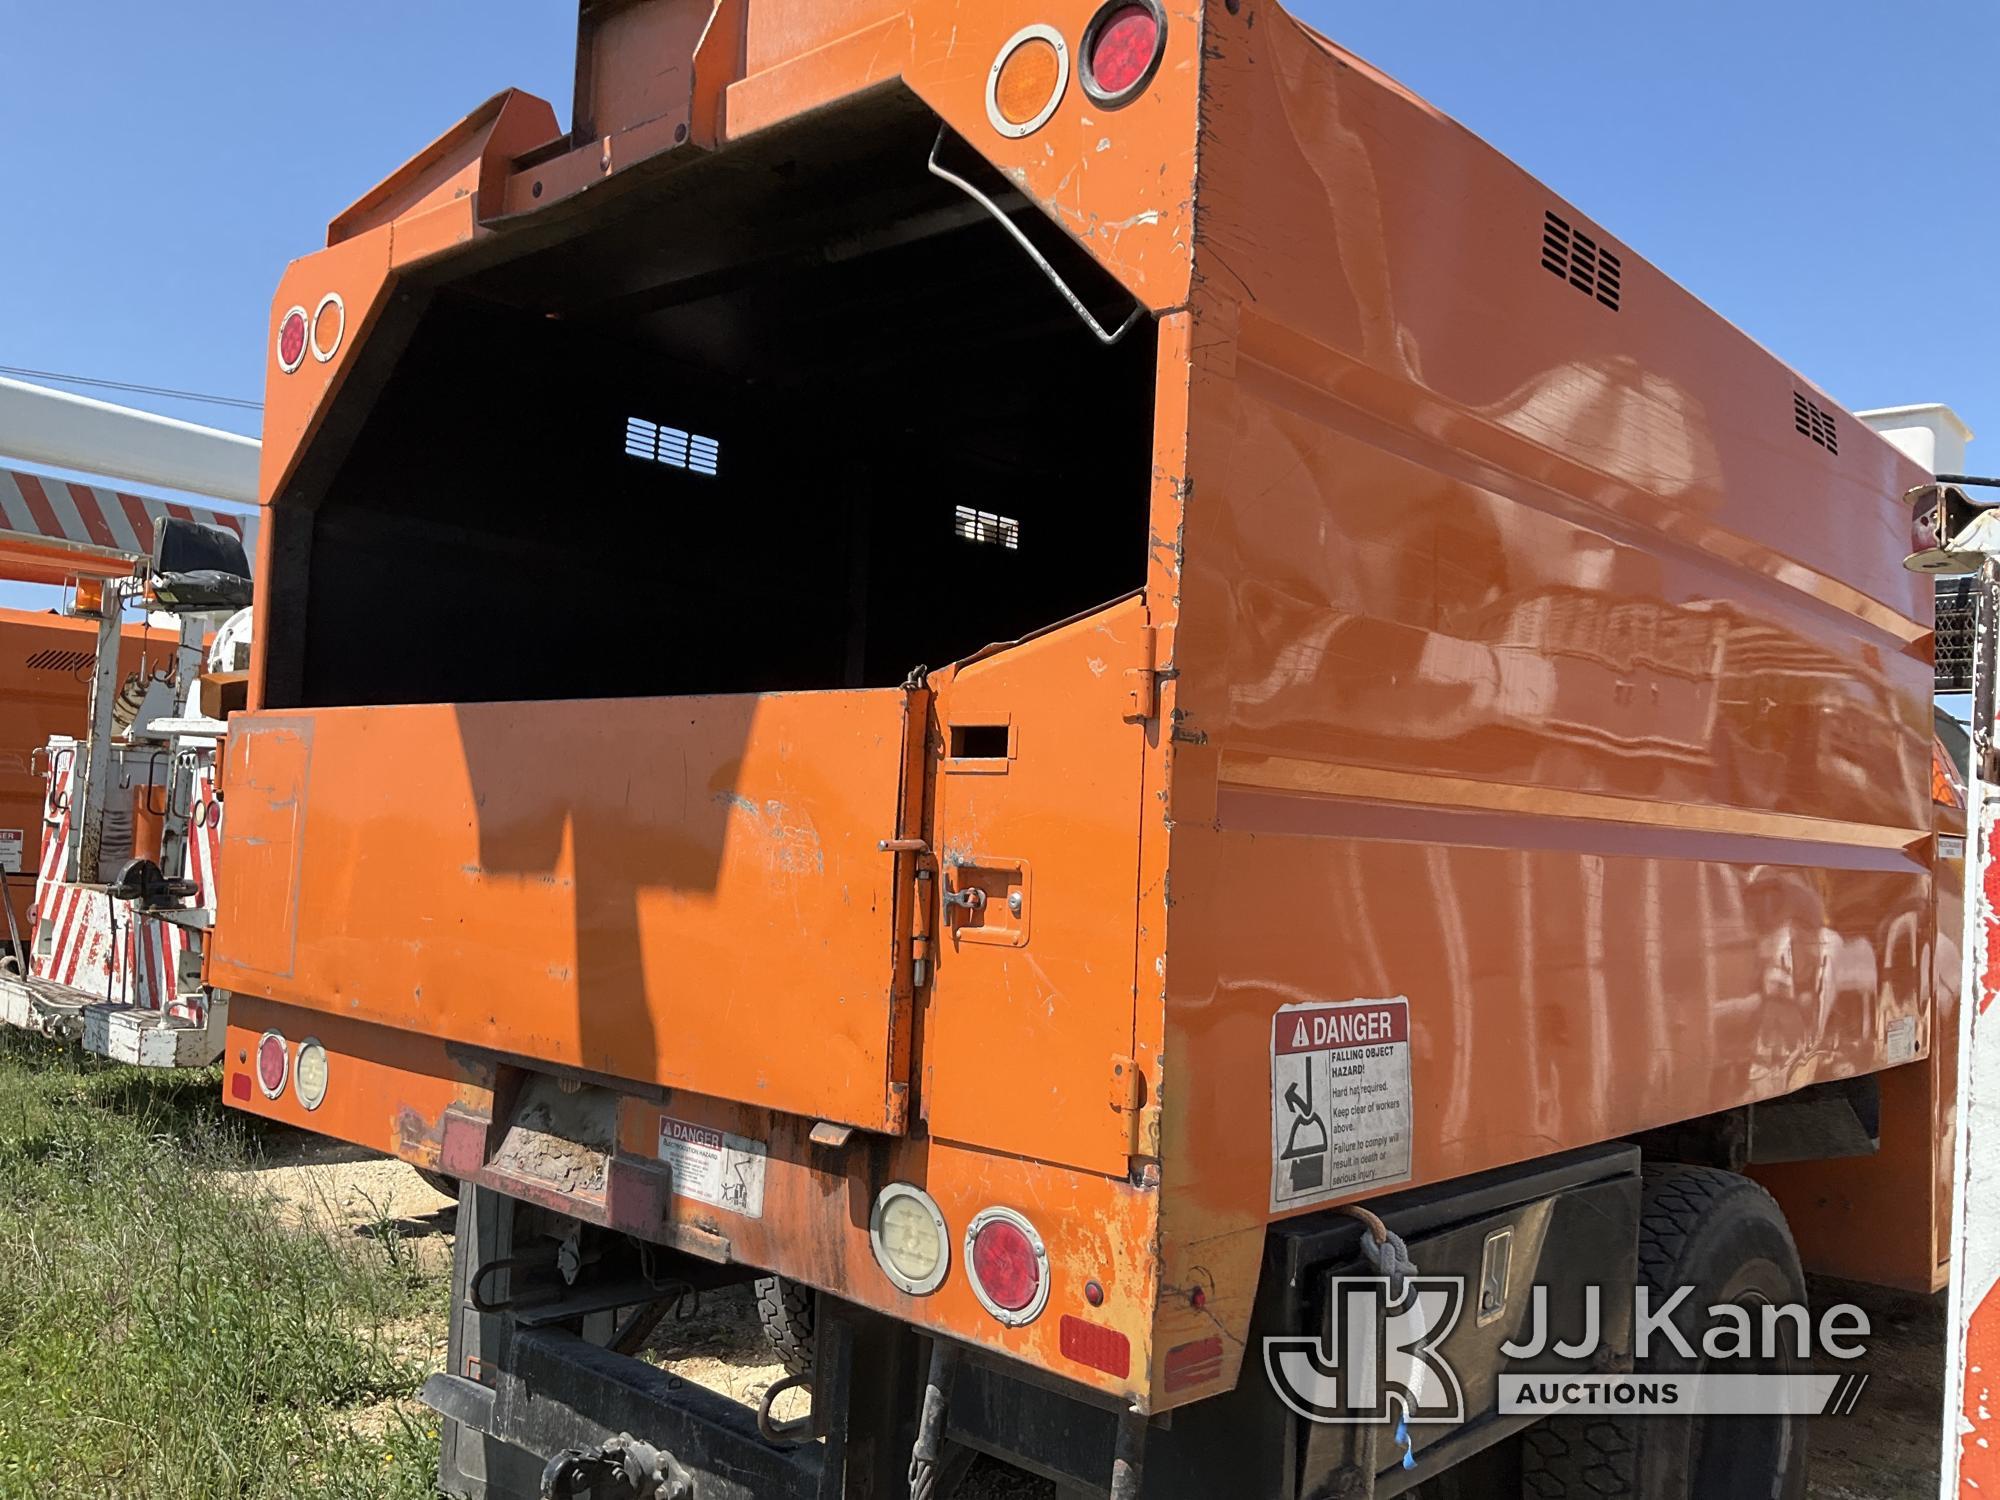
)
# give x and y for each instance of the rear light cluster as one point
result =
(1120, 54)
(1005, 1259)
(319, 332)
(277, 1064)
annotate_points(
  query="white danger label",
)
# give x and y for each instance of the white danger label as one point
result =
(1340, 1099)
(713, 1166)
(12, 842)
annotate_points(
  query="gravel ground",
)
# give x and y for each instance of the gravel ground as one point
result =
(1889, 1448)
(1886, 1450)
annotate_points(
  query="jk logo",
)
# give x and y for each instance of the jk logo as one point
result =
(1377, 1359)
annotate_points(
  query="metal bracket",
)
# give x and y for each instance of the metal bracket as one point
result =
(636, 1468)
(1104, 336)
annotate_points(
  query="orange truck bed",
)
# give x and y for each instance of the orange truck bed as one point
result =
(1457, 701)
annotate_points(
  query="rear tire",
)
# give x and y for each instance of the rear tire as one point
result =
(438, 1182)
(786, 1310)
(1721, 1234)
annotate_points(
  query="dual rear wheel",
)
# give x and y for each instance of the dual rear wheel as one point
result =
(1722, 1235)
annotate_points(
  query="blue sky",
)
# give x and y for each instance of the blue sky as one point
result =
(1822, 171)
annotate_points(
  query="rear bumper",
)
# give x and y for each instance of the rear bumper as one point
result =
(452, 1109)
(1573, 1220)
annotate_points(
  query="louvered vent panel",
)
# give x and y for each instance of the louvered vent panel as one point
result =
(1577, 257)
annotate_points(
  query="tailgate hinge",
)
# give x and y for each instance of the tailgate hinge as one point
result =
(1142, 685)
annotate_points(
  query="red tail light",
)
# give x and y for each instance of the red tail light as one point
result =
(1122, 48)
(274, 1064)
(1007, 1264)
(292, 340)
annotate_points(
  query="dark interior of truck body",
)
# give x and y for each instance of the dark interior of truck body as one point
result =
(801, 416)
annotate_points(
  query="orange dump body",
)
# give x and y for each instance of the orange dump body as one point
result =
(1426, 602)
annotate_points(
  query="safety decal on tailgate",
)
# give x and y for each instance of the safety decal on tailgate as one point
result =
(1340, 1099)
(713, 1166)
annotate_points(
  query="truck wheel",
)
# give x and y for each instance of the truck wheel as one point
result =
(439, 1183)
(1722, 1235)
(785, 1308)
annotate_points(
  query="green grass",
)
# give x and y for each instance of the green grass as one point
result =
(164, 1338)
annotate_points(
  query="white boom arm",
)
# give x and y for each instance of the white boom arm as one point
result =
(41, 426)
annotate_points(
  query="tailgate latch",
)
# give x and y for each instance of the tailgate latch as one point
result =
(1130, 1098)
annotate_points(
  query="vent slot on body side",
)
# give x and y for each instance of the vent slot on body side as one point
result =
(1576, 257)
(1816, 422)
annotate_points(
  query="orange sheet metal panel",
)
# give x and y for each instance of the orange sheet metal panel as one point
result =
(1532, 672)
(1028, 1041)
(685, 892)
(1120, 182)
(1909, 1180)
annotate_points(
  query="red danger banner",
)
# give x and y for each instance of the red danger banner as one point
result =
(1330, 1027)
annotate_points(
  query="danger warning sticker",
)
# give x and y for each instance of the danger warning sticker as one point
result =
(713, 1166)
(1340, 1099)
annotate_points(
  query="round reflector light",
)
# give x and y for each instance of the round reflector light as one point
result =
(292, 340)
(309, 1073)
(328, 325)
(1007, 1265)
(274, 1064)
(1122, 48)
(1027, 81)
(911, 1243)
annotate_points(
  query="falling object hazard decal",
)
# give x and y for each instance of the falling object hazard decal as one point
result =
(1340, 1100)
(713, 1166)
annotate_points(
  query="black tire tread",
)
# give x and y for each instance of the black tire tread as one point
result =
(785, 1308)
(1585, 1458)
(1675, 1199)
(1577, 1456)
(438, 1182)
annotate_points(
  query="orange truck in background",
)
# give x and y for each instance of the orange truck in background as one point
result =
(45, 673)
(1180, 685)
